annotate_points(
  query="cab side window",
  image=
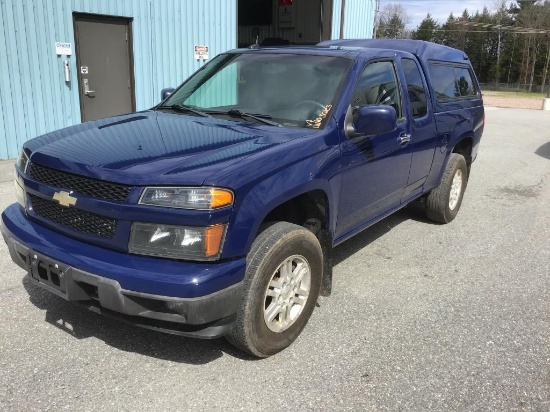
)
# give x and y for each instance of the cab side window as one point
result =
(415, 88)
(452, 82)
(378, 85)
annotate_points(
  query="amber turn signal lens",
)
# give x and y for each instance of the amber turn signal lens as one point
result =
(220, 198)
(213, 240)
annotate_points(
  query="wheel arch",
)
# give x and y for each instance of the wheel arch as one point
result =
(269, 201)
(307, 205)
(313, 204)
(464, 147)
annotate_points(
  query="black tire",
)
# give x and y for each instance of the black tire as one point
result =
(438, 205)
(280, 242)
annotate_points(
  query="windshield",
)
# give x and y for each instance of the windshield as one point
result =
(294, 90)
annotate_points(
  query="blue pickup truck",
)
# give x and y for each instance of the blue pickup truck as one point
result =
(214, 213)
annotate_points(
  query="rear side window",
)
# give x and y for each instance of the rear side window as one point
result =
(464, 82)
(452, 82)
(415, 88)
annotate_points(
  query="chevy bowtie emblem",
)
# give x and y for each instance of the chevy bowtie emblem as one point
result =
(64, 198)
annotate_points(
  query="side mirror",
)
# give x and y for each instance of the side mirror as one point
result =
(164, 93)
(371, 120)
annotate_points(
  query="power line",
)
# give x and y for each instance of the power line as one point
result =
(475, 31)
(514, 29)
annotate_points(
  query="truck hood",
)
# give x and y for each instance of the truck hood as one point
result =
(155, 147)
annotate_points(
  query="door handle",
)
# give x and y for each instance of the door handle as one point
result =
(404, 138)
(87, 90)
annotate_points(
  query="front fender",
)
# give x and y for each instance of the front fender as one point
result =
(267, 195)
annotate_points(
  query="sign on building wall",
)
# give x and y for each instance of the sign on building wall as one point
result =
(287, 15)
(201, 52)
(65, 49)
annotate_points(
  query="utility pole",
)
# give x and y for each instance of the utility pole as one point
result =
(342, 12)
(376, 13)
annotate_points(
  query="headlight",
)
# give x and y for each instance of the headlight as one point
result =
(177, 242)
(187, 197)
(22, 161)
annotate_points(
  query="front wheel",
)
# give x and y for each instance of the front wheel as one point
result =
(281, 286)
(443, 203)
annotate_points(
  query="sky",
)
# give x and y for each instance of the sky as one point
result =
(440, 9)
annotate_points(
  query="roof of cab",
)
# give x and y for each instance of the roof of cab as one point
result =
(329, 51)
(423, 49)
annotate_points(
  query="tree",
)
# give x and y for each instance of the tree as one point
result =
(392, 22)
(428, 30)
(521, 5)
(463, 34)
(502, 17)
(510, 45)
(534, 15)
(482, 45)
(449, 35)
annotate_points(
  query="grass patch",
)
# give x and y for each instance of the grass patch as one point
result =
(515, 94)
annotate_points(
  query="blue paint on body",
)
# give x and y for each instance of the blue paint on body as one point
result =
(364, 178)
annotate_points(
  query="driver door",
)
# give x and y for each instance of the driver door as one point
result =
(375, 169)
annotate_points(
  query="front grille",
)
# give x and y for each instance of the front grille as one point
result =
(79, 184)
(74, 218)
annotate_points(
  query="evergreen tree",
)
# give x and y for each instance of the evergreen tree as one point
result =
(501, 44)
(428, 30)
(448, 34)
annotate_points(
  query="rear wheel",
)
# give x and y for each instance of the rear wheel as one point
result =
(443, 203)
(281, 286)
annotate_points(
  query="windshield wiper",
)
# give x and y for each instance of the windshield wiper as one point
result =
(259, 117)
(182, 108)
(263, 118)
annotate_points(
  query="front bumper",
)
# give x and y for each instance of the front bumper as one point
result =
(190, 299)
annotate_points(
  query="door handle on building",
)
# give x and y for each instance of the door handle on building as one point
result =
(87, 90)
(66, 71)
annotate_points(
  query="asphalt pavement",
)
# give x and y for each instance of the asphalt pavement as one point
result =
(422, 316)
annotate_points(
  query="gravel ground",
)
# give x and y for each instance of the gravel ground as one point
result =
(501, 100)
(423, 317)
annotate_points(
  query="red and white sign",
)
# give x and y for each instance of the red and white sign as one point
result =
(201, 52)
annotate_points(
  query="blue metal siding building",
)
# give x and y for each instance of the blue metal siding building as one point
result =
(357, 17)
(36, 99)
